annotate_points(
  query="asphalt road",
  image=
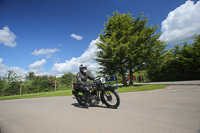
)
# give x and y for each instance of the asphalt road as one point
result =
(175, 109)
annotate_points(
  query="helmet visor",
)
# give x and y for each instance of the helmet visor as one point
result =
(84, 68)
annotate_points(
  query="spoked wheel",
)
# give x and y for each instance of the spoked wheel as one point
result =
(80, 98)
(111, 99)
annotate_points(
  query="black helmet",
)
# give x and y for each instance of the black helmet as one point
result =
(83, 68)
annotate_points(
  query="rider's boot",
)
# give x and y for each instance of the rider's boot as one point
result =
(86, 99)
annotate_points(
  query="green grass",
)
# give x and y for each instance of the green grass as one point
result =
(35, 95)
(139, 88)
(69, 92)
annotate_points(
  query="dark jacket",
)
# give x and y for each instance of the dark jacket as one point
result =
(82, 78)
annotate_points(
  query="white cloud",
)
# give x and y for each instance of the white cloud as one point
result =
(76, 36)
(4, 69)
(73, 65)
(181, 23)
(1, 60)
(37, 66)
(47, 52)
(58, 69)
(7, 37)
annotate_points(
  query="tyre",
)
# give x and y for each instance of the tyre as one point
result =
(110, 99)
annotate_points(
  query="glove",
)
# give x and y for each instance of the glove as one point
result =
(91, 84)
(87, 83)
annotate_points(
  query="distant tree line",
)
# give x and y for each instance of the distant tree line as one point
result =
(12, 84)
(178, 63)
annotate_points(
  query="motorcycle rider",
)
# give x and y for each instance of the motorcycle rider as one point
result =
(84, 86)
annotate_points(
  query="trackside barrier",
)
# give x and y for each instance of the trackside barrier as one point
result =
(112, 78)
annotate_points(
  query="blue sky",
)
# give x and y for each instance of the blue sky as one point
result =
(52, 37)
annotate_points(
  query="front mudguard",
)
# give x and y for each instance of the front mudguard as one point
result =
(107, 88)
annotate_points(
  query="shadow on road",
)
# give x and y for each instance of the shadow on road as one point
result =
(84, 107)
(198, 131)
(1, 131)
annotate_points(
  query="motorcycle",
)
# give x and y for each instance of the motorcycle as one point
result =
(98, 92)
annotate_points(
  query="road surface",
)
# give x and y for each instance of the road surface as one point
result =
(175, 109)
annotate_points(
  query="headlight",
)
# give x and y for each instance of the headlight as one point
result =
(103, 80)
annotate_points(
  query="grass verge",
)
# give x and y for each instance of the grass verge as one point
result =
(139, 88)
(35, 95)
(69, 92)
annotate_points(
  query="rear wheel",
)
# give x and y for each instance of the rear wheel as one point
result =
(111, 99)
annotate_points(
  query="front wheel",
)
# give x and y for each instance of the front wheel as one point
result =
(110, 98)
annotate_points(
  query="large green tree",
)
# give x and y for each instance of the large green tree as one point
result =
(182, 62)
(127, 45)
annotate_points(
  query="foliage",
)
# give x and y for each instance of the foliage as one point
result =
(180, 63)
(66, 80)
(30, 76)
(11, 84)
(128, 45)
(41, 84)
(141, 76)
(11, 76)
(2, 84)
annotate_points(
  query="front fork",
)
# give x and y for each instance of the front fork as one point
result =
(102, 96)
(103, 91)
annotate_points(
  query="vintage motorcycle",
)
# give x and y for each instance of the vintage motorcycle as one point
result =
(98, 92)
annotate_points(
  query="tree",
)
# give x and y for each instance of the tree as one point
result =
(30, 76)
(11, 76)
(113, 44)
(42, 83)
(12, 83)
(127, 45)
(2, 83)
(195, 55)
(66, 79)
(181, 62)
(144, 48)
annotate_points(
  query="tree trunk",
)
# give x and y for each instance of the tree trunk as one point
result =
(124, 79)
(72, 83)
(131, 78)
(21, 88)
(55, 85)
